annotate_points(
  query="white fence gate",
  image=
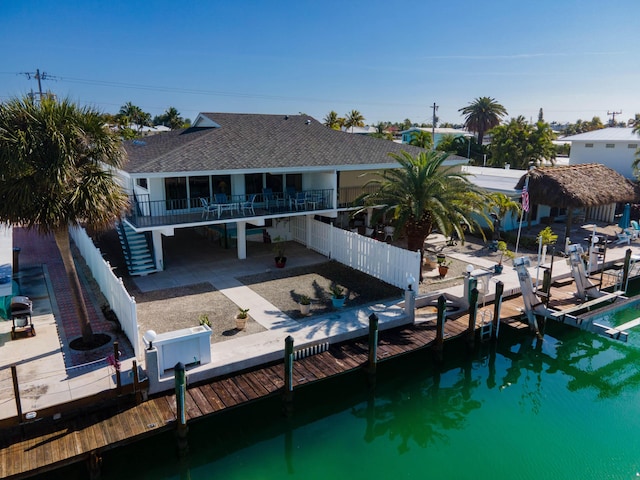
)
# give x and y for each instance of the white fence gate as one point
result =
(379, 259)
(122, 304)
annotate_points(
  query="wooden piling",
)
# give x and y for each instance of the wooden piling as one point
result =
(473, 311)
(497, 307)
(287, 397)
(625, 271)
(373, 349)
(136, 383)
(439, 343)
(181, 414)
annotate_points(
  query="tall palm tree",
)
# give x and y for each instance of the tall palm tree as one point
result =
(482, 115)
(331, 120)
(56, 160)
(172, 118)
(354, 119)
(422, 194)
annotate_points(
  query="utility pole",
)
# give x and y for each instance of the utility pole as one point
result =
(612, 122)
(39, 77)
(433, 126)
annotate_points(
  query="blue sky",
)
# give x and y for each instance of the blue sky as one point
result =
(389, 60)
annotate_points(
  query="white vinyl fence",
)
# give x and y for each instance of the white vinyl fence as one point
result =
(122, 304)
(379, 259)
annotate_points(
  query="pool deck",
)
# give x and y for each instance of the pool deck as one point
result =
(25, 452)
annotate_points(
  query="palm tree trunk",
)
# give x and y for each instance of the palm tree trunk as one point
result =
(62, 241)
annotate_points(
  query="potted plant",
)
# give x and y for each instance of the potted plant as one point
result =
(337, 296)
(241, 318)
(305, 305)
(279, 248)
(443, 267)
(204, 320)
(502, 248)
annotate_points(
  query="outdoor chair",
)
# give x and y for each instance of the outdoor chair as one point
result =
(388, 232)
(223, 204)
(300, 201)
(623, 238)
(271, 199)
(207, 208)
(635, 226)
(248, 205)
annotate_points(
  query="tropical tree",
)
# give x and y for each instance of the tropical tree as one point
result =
(519, 143)
(331, 120)
(482, 115)
(422, 194)
(170, 118)
(421, 139)
(354, 119)
(55, 159)
(502, 205)
(132, 114)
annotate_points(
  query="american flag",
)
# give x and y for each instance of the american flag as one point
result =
(525, 199)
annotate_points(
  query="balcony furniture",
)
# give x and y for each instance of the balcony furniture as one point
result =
(207, 207)
(299, 202)
(248, 205)
(388, 232)
(224, 205)
(272, 199)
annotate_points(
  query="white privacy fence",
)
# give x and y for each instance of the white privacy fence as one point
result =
(379, 259)
(122, 304)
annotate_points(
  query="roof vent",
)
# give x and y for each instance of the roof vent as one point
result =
(308, 122)
(286, 117)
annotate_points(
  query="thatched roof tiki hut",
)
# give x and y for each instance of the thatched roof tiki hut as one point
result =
(590, 189)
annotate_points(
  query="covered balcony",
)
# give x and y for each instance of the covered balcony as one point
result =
(146, 213)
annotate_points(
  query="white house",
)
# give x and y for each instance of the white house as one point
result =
(437, 133)
(613, 147)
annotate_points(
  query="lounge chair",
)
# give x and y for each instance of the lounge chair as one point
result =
(623, 238)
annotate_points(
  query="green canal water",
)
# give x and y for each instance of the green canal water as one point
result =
(564, 407)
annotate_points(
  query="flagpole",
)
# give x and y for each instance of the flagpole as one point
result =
(526, 188)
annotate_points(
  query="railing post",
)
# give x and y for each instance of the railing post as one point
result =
(16, 392)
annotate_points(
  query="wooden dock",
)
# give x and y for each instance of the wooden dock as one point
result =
(35, 448)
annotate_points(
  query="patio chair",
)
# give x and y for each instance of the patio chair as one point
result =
(635, 226)
(300, 201)
(270, 199)
(388, 232)
(248, 205)
(623, 238)
(207, 208)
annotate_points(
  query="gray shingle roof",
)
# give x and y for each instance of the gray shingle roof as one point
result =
(257, 142)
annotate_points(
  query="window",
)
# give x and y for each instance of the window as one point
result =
(252, 183)
(632, 145)
(610, 145)
(142, 182)
(294, 180)
(222, 184)
(588, 145)
(176, 192)
(198, 187)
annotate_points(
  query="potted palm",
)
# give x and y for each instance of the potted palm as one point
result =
(241, 318)
(279, 248)
(443, 267)
(502, 248)
(305, 305)
(337, 296)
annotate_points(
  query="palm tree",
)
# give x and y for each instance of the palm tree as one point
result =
(421, 139)
(422, 194)
(331, 120)
(502, 205)
(482, 115)
(55, 159)
(354, 119)
(131, 113)
(172, 118)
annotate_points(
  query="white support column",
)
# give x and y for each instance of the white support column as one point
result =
(156, 236)
(241, 229)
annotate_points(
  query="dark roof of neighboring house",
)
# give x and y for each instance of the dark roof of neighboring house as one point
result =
(257, 142)
(576, 186)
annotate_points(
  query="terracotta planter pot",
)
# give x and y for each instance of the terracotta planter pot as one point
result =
(305, 309)
(442, 270)
(280, 262)
(241, 323)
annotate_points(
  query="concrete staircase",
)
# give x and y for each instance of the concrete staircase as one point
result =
(137, 253)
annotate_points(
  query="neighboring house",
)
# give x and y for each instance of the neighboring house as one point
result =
(247, 173)
(438, 134)
(614, 147)
(366, 130)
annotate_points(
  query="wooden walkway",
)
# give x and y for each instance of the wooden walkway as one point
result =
(46, 445)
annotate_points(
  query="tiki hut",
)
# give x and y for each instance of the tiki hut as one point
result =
(590, 190)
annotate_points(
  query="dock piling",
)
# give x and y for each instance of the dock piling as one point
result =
(438, 347)
(182, 429)
(287, 397)
(373, 349)
(497, 307)
(473, 310)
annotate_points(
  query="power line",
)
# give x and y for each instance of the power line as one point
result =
(612, 122)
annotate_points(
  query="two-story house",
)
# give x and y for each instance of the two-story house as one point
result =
(245, 174)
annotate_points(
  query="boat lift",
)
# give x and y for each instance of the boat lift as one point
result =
(535, 307)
